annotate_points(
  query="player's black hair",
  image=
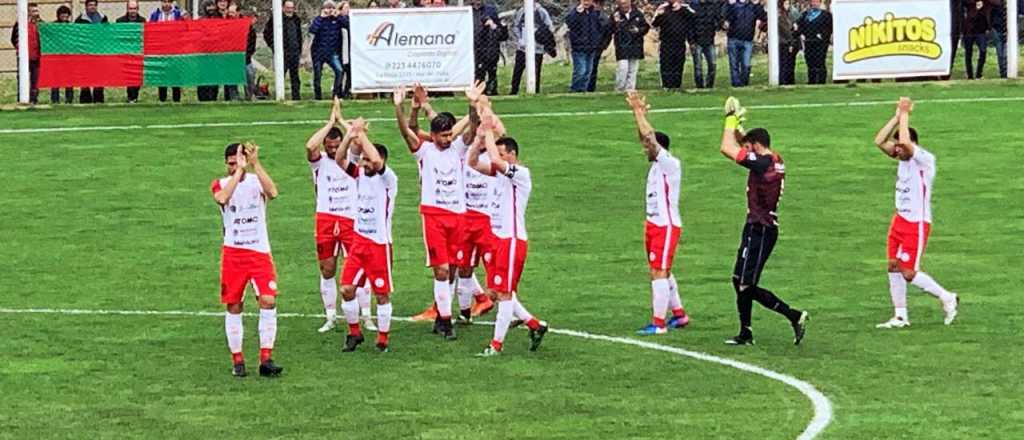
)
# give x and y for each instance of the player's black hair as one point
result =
(758, 136)
(510, 144)
(444, 121)
(334, 133)
(662, 139)
(913, 135)
(231, 150)
(382, 151)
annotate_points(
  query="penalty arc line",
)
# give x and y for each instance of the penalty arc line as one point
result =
(504, 116)
(821, 404)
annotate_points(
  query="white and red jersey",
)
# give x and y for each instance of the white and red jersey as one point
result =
(335, 189)
(441, 178)
(376, 203)
(245, 215)
(914, 186)
(480, 188)
(508, 214)
(663, 182)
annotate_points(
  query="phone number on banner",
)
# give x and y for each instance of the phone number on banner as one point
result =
(402, 65)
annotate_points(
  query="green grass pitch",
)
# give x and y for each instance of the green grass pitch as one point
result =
(122, 219)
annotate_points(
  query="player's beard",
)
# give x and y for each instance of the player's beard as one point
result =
(330, 154)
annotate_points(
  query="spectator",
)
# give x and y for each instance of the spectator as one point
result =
(585, 38)
(372, 4)
(326, 32)
(815, 27)
(131, 15)
(222, 7)
(205, 92)
(789, 45)
(543, 24)
(605, 21)
(488, 33)
(291, 29)
(91, 16)
(33, 52)
(998, 38)
(629, 26)
(395, 4)
(231, 90)
(741, 17)
(63, 16)
(706, 23)
(168, 11)
(674, 21)
(250, 50)
(956, 15)
(435, 4)
(977, 22)
(344, 49)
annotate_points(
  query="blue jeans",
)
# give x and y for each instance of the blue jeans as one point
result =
(318, 66)
(582, 63)
(970, 41)
(708, 52)
(739, 61)
(999, 41)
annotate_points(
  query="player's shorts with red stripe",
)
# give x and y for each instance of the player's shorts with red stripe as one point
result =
(239, 267)
(368, 260)
(443, 235)
(477, 239)
(661, 242)
(507, 258)
(334, 235)
(907, 241)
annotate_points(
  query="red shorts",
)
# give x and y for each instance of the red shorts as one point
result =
(477, 239)
(239, 267)
(506, 266)
(906, 242)
(368, 260)
(661, 244)
(334, 235)
(443, 236)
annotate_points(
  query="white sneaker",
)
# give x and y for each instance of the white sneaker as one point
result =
(368, 323)
(894, 322)
(328, 326)
(950, 308)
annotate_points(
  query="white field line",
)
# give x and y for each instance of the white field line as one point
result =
(822, 406)
(505, 116)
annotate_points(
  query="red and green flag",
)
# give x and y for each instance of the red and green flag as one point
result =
(169, 53)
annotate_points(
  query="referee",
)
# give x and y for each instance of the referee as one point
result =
(764, 188)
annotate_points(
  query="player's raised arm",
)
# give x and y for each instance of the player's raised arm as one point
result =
(645, 131)
(410, 137)
(338, 117)
(370, 151)
(474, 155)
(224, 194)
(472, 119)
(884, 137)
(905, 107)
(733, 119)
(347, 142)
(252, 152)
(497, 163)
(317, 139)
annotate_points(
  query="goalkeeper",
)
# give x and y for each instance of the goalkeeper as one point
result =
(752, 150)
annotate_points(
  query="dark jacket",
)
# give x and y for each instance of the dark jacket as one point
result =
(345, 40)
(250, 44)
(84, 18)
(978, 21)
(817, 30)
(629, 34)
(707, 21)
(674, 26)
(787, 37)
(487, 41)
(607, 33)
(742, 18)
(956, 17)
(291, 28)
(126, 19)
(326, 32)
(584, 29)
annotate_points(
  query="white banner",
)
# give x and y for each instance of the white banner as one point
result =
(890, 38)
(393, 47)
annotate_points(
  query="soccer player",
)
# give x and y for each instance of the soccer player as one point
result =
(245, 254)
(764, 188)
(663, 226)
(442, 202)
(908, 232)
(371, 255)
(508, 223)
(335, 213)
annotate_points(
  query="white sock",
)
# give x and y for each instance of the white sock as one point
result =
(674, 301)
(384, 317)
(363, 297)
(329, 295)
(351, 309)
(268, 327)
(504, 318)
(898, 292)
(233, 329)
(519, 310)
(443, 298)
(929, 285)
(466, 292)
(659, 298)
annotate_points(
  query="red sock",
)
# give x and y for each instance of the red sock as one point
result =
(533, 324)
(265, 354)
(237, 358)
(382, 338)
(496, 345)
(659, 322)
(354, 330)
(678, 313)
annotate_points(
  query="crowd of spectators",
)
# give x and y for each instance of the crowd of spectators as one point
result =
(684, 28)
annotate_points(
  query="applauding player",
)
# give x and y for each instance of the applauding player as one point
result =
(664, 226)
(908, 232)
(764, 189)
